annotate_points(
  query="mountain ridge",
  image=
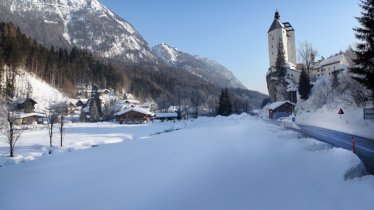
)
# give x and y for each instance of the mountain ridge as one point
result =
(205, 68)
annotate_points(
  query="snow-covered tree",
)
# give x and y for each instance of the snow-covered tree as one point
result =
(364, 68)
(94, 112)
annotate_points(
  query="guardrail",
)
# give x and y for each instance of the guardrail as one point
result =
(368, 113)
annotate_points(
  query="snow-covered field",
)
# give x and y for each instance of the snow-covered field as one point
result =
(229, 163)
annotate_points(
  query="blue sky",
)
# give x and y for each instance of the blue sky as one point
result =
(235, 32)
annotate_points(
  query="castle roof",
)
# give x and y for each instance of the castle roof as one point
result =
(275, 25)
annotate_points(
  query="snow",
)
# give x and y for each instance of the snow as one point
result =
(42, 92)
(277, 104)
(237, 162)
(351, 122)
(32, 114)
(136, 109)
(166, 115)
(322, 107)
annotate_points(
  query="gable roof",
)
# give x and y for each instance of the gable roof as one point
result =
(135, 109)
(275, 25)
(277, 104)
(331, 60)
(23, 100)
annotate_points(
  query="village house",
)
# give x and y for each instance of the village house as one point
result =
(30, 118)
(26, 105)
(332, 65)
(280, 109)
(134, 115)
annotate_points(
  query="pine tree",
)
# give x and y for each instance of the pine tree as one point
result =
(364, 69)
(94, 112)
(225, 105)
(281, 61)
(304, 85)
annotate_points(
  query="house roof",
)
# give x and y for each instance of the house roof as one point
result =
(21, 116)
(23, 100)
(331, 60)
(132, 101)
(135, 109)
(166, 115)
(277, 104)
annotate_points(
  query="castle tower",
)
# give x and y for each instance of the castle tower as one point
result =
(281, 32)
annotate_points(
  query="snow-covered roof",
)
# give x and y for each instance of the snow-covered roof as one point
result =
(83, 100)
(132, 101)
(21, 116)
(135, 109)
(166, 115)
(277, 104)
(22, 100)
(331, 60)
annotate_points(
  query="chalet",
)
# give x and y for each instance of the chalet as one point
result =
(30, 118)
(70, 107)
(166, 116)
(280, 109)
(134, 115)
(26, 105)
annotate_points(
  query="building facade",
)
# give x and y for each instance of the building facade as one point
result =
(332, 65)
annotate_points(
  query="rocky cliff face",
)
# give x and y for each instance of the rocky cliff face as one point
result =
(277, 87)
(204, 68)
(83, 23)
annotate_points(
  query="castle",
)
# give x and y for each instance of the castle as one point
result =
(281, 90)
(281, 32)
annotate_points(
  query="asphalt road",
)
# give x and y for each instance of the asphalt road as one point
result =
(364, 147)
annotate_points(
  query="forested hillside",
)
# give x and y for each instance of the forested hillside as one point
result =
(60, 68)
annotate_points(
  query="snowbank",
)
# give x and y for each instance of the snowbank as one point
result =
(221, 163)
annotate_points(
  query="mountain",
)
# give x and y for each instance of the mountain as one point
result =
(87, 24)
(204, 68)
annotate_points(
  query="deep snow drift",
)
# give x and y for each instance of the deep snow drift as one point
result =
(229, 163)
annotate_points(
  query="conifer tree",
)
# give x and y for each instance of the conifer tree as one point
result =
(304, 85)
(281, 61)
(225, 105)
(94, 112)
(364, 69)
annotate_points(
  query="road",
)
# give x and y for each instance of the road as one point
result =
(364, 147)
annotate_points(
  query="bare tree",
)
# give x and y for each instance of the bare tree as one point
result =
(60, 117)
(52, 118)
(307, 54)
(8, 126)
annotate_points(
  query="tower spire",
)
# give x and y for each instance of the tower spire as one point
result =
(277, 16)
